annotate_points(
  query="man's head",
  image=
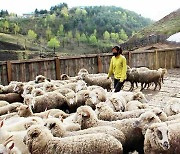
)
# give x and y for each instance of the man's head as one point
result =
(116, 50)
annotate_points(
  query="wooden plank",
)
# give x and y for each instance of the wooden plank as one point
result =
(99, 64)
(9, 71)
(58, 72)
(129, 59)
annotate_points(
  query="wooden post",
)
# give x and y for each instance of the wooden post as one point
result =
(58, 73)
(156, 52)
(9, 71)
(99, 64)
(129, 59)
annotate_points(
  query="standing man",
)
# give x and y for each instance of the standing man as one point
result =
(118, 68)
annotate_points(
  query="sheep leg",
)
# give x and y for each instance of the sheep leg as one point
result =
(155, 86)
(132, 86)
(159, 85)
(142, 86)
(162, 79)
(136, 84)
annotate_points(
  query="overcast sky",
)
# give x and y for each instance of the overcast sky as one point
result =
(154, 9)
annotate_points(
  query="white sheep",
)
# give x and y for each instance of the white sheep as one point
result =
(100, 80)
(8, 88)
(160, 138)
(48, 87)
(11, 97)
(172, 107)
(87, 118)
(3, 103)
(117, 103)
(104, 112)
(135, 105)
(163, 72)
(129, 96)
(173, 117)
(9, 108)
(41, 79)
(8, 147)
(37, 92)
(40, 140)
(76, 86)
(96, 96)
(26, 111)
(47, 101)
(16, 136)
(82, 72)
(27, 89)
(59, 130)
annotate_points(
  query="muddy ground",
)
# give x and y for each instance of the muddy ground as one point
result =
(170, 89)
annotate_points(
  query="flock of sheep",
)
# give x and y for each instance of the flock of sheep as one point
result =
(82, 115)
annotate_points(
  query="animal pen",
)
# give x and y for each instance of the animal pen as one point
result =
(26, 70)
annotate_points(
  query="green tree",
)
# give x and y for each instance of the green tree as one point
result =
(78, 11)
(48, 33)
(84, 12)
(65, 12)
(6, 26)
(113, 36)
(32, 35)
(60, 30)
(54, 43)
(123, 35)
(69, 36)
(93, 39)
(16, 29)
(106, 35)
(77, 36)
(83, 38)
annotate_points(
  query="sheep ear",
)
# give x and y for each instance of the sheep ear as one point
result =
(12, 146)
(1, 124)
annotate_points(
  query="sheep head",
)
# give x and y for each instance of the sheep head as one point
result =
(48, 87)
(19, 88)
(24, 111)
(37, 92)
(64, 77)
(55, 126)
(27, 90)
(1, 89)
(162, 115)
(140, 97)
(29, 100)
(37, 138)
(85, 116)
(117, 103)
(71, 98)
(159, 136)
(40, 79)
(81, 85)
(145, 120)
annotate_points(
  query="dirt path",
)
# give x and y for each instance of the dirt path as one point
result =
(170, 89)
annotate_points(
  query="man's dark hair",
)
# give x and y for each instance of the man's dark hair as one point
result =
(119, 49)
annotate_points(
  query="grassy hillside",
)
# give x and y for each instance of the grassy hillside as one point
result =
(168, 25)
(79, 30)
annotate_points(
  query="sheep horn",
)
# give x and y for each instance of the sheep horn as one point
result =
(5, 144)
(47, 115)
(8, 138)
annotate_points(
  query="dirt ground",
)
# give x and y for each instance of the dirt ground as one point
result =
(170, 89)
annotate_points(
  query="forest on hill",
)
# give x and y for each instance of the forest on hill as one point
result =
(78, 29)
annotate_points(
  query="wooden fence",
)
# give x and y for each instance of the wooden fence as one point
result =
(26, 70)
